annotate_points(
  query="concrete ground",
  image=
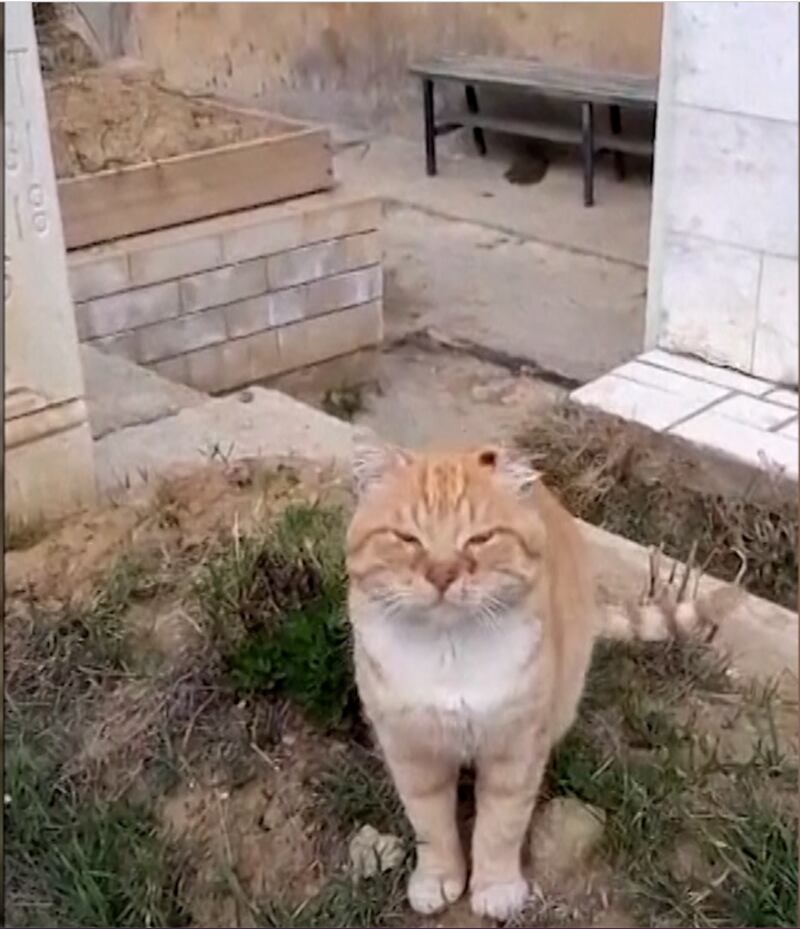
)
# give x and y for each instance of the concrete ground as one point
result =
(531, 292)
(525, 270)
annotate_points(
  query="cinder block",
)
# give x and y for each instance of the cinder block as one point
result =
(173, 369)
(125, 344)
(288, 306)
(131, 309)
(283, 233)
(347, 219)
(248, 316)
(312, 262)
(323, 337)
(181, 335)
(223, 285)
(233, 364)
(165, 261)
(263, 239)
(343, 290)
(263, 356)
(97, 275)
(205, 368)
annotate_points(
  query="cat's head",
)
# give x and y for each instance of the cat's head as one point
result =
(444, 537)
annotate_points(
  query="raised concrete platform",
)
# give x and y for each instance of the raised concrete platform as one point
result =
(121, 394)
(255, 423)
(750, 421)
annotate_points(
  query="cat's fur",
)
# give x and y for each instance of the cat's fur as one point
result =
(474, 617)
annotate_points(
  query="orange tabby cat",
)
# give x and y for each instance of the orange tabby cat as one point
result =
(474, 618)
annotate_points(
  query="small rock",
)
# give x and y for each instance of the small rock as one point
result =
(564, 835)
(372, 851)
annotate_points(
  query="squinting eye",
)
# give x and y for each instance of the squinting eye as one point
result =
(407, 538)
(481, 538)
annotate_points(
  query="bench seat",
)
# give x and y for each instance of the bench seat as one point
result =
(585, 87)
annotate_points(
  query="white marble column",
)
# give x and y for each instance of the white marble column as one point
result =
(49, 468)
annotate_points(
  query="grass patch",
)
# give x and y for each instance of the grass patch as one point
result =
(275, 604)
(344, 403)
(608, 473)
(355, 789)
(375, 901)
(669, 793)
(699, 839)
(80, 861)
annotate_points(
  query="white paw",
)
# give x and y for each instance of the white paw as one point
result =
(500, 901)
(430, 893)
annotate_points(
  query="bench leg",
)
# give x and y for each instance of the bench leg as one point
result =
(587, 149)
(430, 128)
(472, 106)
(615, 118)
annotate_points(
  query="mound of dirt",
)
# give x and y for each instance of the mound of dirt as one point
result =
(101, 119)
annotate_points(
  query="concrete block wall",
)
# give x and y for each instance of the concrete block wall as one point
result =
(724, 236)
(239, 298)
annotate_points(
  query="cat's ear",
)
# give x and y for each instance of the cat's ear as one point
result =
(373, 460)
(510, 467)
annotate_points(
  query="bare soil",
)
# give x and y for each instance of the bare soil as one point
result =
(102, 119)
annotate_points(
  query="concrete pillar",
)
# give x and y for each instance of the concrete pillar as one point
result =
(49, 468)
(723, 270)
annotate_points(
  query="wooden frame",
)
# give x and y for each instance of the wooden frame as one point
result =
(141, 198)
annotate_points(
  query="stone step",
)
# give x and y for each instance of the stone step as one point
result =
(120, 394)
(255, 423)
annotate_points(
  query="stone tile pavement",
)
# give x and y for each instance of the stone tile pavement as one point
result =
(742, 417)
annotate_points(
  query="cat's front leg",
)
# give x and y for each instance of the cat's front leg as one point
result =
(427, 786)
(505, 791)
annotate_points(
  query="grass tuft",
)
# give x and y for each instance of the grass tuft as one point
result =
(665, 788)
(345, 403)
(275, 604)
(607, 472)
(355, 789)
(79, 862)
(375, 901)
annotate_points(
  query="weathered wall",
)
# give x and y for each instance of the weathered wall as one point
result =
(349, 61)
(723, 248)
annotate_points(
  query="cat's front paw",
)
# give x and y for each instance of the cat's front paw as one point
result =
(501, 900)
(430, 893)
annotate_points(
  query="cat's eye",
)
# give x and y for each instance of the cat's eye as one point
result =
(407, 537)
(481, 538)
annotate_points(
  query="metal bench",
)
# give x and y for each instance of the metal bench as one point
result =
(587, 88)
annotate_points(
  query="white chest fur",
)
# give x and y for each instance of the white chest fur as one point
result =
(466, 673)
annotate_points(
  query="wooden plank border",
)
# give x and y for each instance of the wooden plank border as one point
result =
(121, 202)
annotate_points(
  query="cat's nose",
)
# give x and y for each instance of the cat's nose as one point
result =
(442, 574)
